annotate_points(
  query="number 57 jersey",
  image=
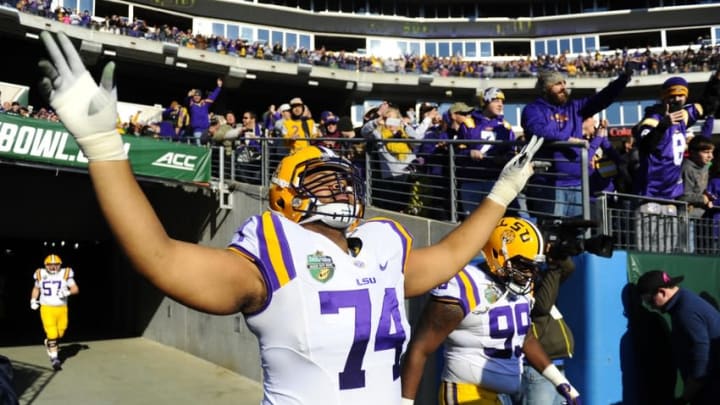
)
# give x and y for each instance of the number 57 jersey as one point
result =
(334, 325)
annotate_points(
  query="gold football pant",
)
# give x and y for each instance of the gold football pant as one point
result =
(54, 320)
(466, 394)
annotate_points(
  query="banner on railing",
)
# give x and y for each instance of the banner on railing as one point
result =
(48, 142)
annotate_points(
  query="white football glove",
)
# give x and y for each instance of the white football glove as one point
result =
(64, 292)
(34, 304)
(562, 385)
(515, 174)
(87, 110)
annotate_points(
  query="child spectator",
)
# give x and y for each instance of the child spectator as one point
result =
(695, 183)
(695, 175)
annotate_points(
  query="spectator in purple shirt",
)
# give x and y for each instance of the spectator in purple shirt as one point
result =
(555, 117)
(199, 109)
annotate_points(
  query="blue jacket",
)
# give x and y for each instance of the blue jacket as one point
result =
(562, 122)
(695, 335)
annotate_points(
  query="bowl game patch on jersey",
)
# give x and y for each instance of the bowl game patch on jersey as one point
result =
(321, 267)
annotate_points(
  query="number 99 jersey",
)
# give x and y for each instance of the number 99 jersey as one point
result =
(486, 347)
(334, 326)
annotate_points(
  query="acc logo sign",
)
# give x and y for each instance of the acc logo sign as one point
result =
(178, 161)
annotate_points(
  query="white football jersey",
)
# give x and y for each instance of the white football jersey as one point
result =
(486, 347)
(50, 283)
(334, 325)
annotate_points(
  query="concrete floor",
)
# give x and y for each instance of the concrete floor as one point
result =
(125, 371)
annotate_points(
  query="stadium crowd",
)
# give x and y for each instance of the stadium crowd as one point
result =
(702, 58)
(411, 149)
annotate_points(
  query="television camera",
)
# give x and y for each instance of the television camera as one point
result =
(565, 237)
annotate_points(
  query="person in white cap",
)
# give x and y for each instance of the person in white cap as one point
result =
(298, 128)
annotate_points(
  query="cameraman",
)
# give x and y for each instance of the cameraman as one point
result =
(550, 329)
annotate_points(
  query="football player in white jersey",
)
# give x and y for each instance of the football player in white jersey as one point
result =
(53, 285)
(323, 293)
(483, 316)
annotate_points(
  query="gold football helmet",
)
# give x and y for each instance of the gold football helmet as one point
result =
(514, 252)
(52, 263)
(314, 184)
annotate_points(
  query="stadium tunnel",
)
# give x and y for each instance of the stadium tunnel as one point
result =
(51, 211)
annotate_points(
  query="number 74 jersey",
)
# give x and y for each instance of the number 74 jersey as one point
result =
(334, 326)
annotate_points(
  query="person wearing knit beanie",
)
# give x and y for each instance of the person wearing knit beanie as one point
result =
(675, 86)
(557, 117)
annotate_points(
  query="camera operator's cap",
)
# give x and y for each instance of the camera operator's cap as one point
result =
(675, 86)
(492, 93)
(460, 107)
(649, 282)
(547, 79)
(296, 101)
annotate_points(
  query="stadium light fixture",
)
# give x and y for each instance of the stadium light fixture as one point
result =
(364, 86)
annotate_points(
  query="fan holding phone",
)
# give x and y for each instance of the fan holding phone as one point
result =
(663, 133)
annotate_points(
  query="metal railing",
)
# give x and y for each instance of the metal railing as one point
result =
(435, 186)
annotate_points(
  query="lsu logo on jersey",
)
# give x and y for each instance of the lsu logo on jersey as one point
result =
(321, 267)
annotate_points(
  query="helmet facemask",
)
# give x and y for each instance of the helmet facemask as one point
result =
(329, 190)
(519, 274)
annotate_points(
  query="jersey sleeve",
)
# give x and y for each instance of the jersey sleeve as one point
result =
(406, 238)
(263, 240)
(37, 275)
(462, 289)
(69, 276)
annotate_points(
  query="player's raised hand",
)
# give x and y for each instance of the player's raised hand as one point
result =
(87, 110)
(516, 173)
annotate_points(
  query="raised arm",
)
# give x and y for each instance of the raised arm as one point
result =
(435, 264)
(208, 279)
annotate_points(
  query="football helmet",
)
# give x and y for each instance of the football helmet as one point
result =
(52, 263)
(514, 253)
(314, 184)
